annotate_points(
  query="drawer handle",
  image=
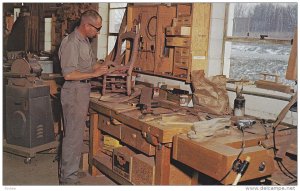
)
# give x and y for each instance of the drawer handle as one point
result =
(133, 135)
(107, 122)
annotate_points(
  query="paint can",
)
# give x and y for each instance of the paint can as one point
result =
(239, 106)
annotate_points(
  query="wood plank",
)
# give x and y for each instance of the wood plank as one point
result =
(163, 62)
(200, 35)
(264, 84)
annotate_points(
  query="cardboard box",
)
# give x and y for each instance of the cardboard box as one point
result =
(122, 162)
(143, 170)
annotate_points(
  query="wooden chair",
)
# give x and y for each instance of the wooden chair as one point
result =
(119, 78)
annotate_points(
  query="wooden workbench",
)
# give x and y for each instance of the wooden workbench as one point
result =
(213, 157)
(135, 133)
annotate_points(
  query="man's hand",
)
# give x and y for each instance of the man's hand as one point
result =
(99, 71)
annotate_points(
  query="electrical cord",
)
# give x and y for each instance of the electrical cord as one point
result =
(275, 124)
(278, 161)
(237, 158)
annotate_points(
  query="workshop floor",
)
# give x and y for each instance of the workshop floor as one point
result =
(41, 171)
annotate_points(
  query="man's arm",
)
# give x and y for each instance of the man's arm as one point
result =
(76, 75)
(98, 64)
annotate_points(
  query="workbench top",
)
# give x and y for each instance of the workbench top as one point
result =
(163, 126)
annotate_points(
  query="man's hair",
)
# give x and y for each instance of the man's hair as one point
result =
(88, 15)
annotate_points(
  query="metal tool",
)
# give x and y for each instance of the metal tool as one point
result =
(245, 123)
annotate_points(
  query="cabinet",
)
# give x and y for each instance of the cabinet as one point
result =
(174, 39)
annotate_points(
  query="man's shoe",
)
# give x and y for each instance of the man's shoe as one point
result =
(69, 183)
(81, 174)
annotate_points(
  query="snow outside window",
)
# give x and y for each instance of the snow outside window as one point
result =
(246, 60)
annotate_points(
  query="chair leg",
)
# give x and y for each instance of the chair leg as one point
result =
(113, 85)
(128, 85)
(104, 85)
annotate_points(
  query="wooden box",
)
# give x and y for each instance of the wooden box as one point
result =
(178, 30)
(178, 41)
(143, 170)
(122, 162)
(105, 124)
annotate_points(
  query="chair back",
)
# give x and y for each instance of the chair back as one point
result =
(130, 58)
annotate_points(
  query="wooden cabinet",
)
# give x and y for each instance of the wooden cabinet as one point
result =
(166, 29)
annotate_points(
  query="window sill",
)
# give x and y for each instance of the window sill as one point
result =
(253, 90)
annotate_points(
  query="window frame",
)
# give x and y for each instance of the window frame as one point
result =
(109, 34)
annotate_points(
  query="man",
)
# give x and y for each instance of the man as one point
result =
(78, 67)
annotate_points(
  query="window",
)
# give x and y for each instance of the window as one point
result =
(48, 25)
(116, 13)
(258, 39)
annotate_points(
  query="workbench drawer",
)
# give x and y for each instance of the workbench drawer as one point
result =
(107, 125)
(135, 139)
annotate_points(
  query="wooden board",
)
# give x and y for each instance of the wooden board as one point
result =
(200, 35)
(216, 156)
(264, 84)
(164, 54)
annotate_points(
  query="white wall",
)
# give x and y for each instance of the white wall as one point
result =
(216, 39)
(102, 37)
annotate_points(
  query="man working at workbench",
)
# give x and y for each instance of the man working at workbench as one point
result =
(78, 66)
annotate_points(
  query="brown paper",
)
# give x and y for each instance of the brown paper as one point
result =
(210, 94)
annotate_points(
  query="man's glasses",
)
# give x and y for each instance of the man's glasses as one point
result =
(97, 29)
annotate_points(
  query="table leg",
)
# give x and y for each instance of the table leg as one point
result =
(162, 165)
(94, 141)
